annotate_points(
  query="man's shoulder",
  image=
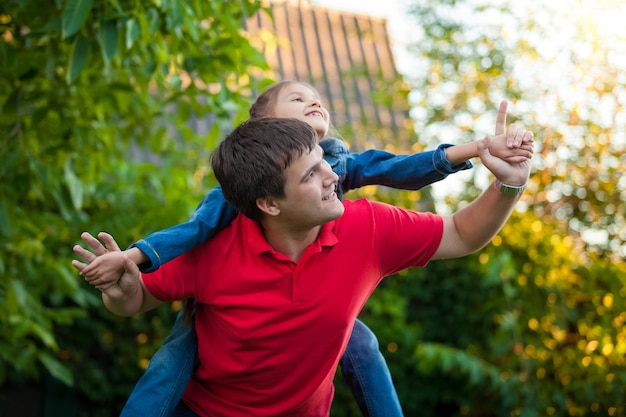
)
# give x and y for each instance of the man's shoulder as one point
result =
(367, 208)
(363, 207)
(363, 204)
(232, 233)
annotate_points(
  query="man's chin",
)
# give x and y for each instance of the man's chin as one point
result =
(339, 211)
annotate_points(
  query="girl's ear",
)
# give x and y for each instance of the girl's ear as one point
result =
(268, 206)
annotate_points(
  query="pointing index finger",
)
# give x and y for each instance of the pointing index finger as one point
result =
(501, 121)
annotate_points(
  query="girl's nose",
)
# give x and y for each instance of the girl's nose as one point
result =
(316, 102)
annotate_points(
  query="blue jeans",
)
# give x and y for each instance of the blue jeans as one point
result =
(161, 387)
(365, 371)
(181, 410)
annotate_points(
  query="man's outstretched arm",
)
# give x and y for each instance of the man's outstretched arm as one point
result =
(471, 228)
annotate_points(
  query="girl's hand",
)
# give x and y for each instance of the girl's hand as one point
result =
(104, 266)
(516, 146)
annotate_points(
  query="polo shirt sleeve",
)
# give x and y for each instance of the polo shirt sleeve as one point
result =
(404, 238)
(175, 280)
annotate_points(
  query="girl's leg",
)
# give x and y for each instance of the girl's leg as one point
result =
(161, 387)
(182, 410)
(364, 369)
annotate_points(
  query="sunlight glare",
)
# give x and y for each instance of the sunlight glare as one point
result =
(603, 21)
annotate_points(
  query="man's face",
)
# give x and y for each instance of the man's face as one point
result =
(310, 198)
(300, 102)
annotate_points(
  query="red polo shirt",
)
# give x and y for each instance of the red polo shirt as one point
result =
(271, 331)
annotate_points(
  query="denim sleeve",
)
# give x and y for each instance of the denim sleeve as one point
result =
(336, 154)
(212, 215)
(407, 172)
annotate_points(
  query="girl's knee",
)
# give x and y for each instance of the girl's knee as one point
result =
(363, 339)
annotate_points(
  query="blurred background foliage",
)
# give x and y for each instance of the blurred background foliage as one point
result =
(96, 100)
(534, 324)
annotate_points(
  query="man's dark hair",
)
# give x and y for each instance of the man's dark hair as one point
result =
(250, 163)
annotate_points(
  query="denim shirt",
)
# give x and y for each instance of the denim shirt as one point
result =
(407, 172)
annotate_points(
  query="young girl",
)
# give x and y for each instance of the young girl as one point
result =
(159, 390)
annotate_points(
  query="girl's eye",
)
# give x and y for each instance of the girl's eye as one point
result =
(297, 99)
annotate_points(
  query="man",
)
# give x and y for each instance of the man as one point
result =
(278, 290)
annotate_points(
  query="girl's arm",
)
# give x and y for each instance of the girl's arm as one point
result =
(459, 153)
(212, 215)
(512, 151)
(412, 172)
(408, 172)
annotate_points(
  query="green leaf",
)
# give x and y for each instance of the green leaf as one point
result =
(192, 28)
(175, 17)
(20, 294)
(107, 36)
(144, 28)
(5, 225)
(67, 277)
(52, 25)
(184, 110)
(175, 82)
(57, 369)
(118, 8)
(78, 59)
(74, 15)
(132, 32)
(74, 185)
(45, 336)
(213, 137)
(153, 20)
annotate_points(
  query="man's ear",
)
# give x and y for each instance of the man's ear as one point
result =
(268, 206)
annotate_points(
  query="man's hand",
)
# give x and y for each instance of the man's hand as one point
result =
(121, 286)
(510, 170)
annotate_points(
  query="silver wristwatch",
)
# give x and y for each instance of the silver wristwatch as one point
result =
(511, 190)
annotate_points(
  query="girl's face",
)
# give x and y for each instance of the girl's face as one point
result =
(298, 101)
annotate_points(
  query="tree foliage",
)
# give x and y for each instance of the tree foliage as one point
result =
(533, 324)
(97, 102)
(102, 109)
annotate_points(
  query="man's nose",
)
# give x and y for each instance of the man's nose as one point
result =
(330, 177)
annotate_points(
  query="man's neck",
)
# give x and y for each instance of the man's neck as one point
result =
(290, 242)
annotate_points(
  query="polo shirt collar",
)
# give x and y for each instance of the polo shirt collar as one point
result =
(258, 243)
